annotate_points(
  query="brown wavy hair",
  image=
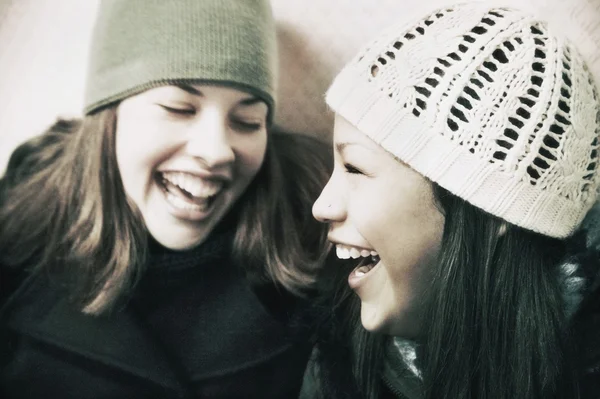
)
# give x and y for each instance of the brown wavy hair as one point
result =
(63, 209)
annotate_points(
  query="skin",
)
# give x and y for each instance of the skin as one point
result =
(375, 202)
(214, 136)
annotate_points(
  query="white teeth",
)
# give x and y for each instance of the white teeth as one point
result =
(346, 252)
(359, 273)
(177, 202)
(196, 186)
(342, 253)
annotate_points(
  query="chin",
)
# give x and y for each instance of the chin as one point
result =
(408, 332)
(179, 245)
(371, 319)
(177, 240)
(176, 235)
(376, 322)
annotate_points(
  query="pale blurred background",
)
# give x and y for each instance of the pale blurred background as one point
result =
(43, 51)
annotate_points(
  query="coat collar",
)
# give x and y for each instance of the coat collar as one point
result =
(204, 307)
(44, 314)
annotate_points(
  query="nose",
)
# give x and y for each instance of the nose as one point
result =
(329, 207)
(210, 139)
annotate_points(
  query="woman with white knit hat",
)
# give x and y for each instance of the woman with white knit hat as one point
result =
(154, 248)
(466, 159)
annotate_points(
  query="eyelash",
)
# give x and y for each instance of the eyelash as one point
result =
(246, 126)
(239, 124)
(352, 170)
(179, 111)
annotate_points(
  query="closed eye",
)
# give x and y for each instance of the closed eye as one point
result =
(246, 126)
(178, 111)
(352, 170)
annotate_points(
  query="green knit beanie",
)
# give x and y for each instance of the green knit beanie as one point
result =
(141, 44)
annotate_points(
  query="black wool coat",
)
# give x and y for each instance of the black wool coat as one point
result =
(193, 328)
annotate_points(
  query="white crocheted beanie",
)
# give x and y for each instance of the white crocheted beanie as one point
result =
(487, 103)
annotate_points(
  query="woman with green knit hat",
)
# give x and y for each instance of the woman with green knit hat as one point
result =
(466, 165)
(155, 248)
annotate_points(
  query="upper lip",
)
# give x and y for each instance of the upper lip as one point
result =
(337, 242)
(203, 174)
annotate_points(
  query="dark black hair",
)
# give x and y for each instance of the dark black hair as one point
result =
(495, 325)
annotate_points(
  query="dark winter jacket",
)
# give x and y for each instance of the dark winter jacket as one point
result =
(194, 328)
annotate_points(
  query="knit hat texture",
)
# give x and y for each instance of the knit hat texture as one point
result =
(140, 44)
(489, 104)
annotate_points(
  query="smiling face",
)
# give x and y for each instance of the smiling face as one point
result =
(383, 216)
(186, 154)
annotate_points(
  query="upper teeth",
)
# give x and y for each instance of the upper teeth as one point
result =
(196, 186)
(346, 252)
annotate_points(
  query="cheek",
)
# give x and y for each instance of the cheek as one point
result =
(126, 151)
(410, 259)
(251, 153)
(138, 152)
(141, 142)
(406, 229)
(416, 240)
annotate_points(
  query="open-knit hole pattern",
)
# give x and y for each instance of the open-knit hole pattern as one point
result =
(509, 116)
(584, 169)
(502, 95)
(481, 85)
(527, 117)
(559, 121)
(573, 176)
(422, 91)
(519, 120)
(594, 162)
(459, 112)
(388, 57)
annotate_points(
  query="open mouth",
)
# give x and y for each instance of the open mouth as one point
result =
(365, 266)
(363, 260)
(187, 192)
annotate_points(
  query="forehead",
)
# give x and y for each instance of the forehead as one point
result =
(208, 91)
(348, 138)
(217, 89)
(346, 134)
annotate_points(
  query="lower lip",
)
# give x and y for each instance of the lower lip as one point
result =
(191, 215)
(355, 281)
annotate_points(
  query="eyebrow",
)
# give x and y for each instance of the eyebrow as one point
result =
(192, 90)
(251, 101)
(340, 147)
